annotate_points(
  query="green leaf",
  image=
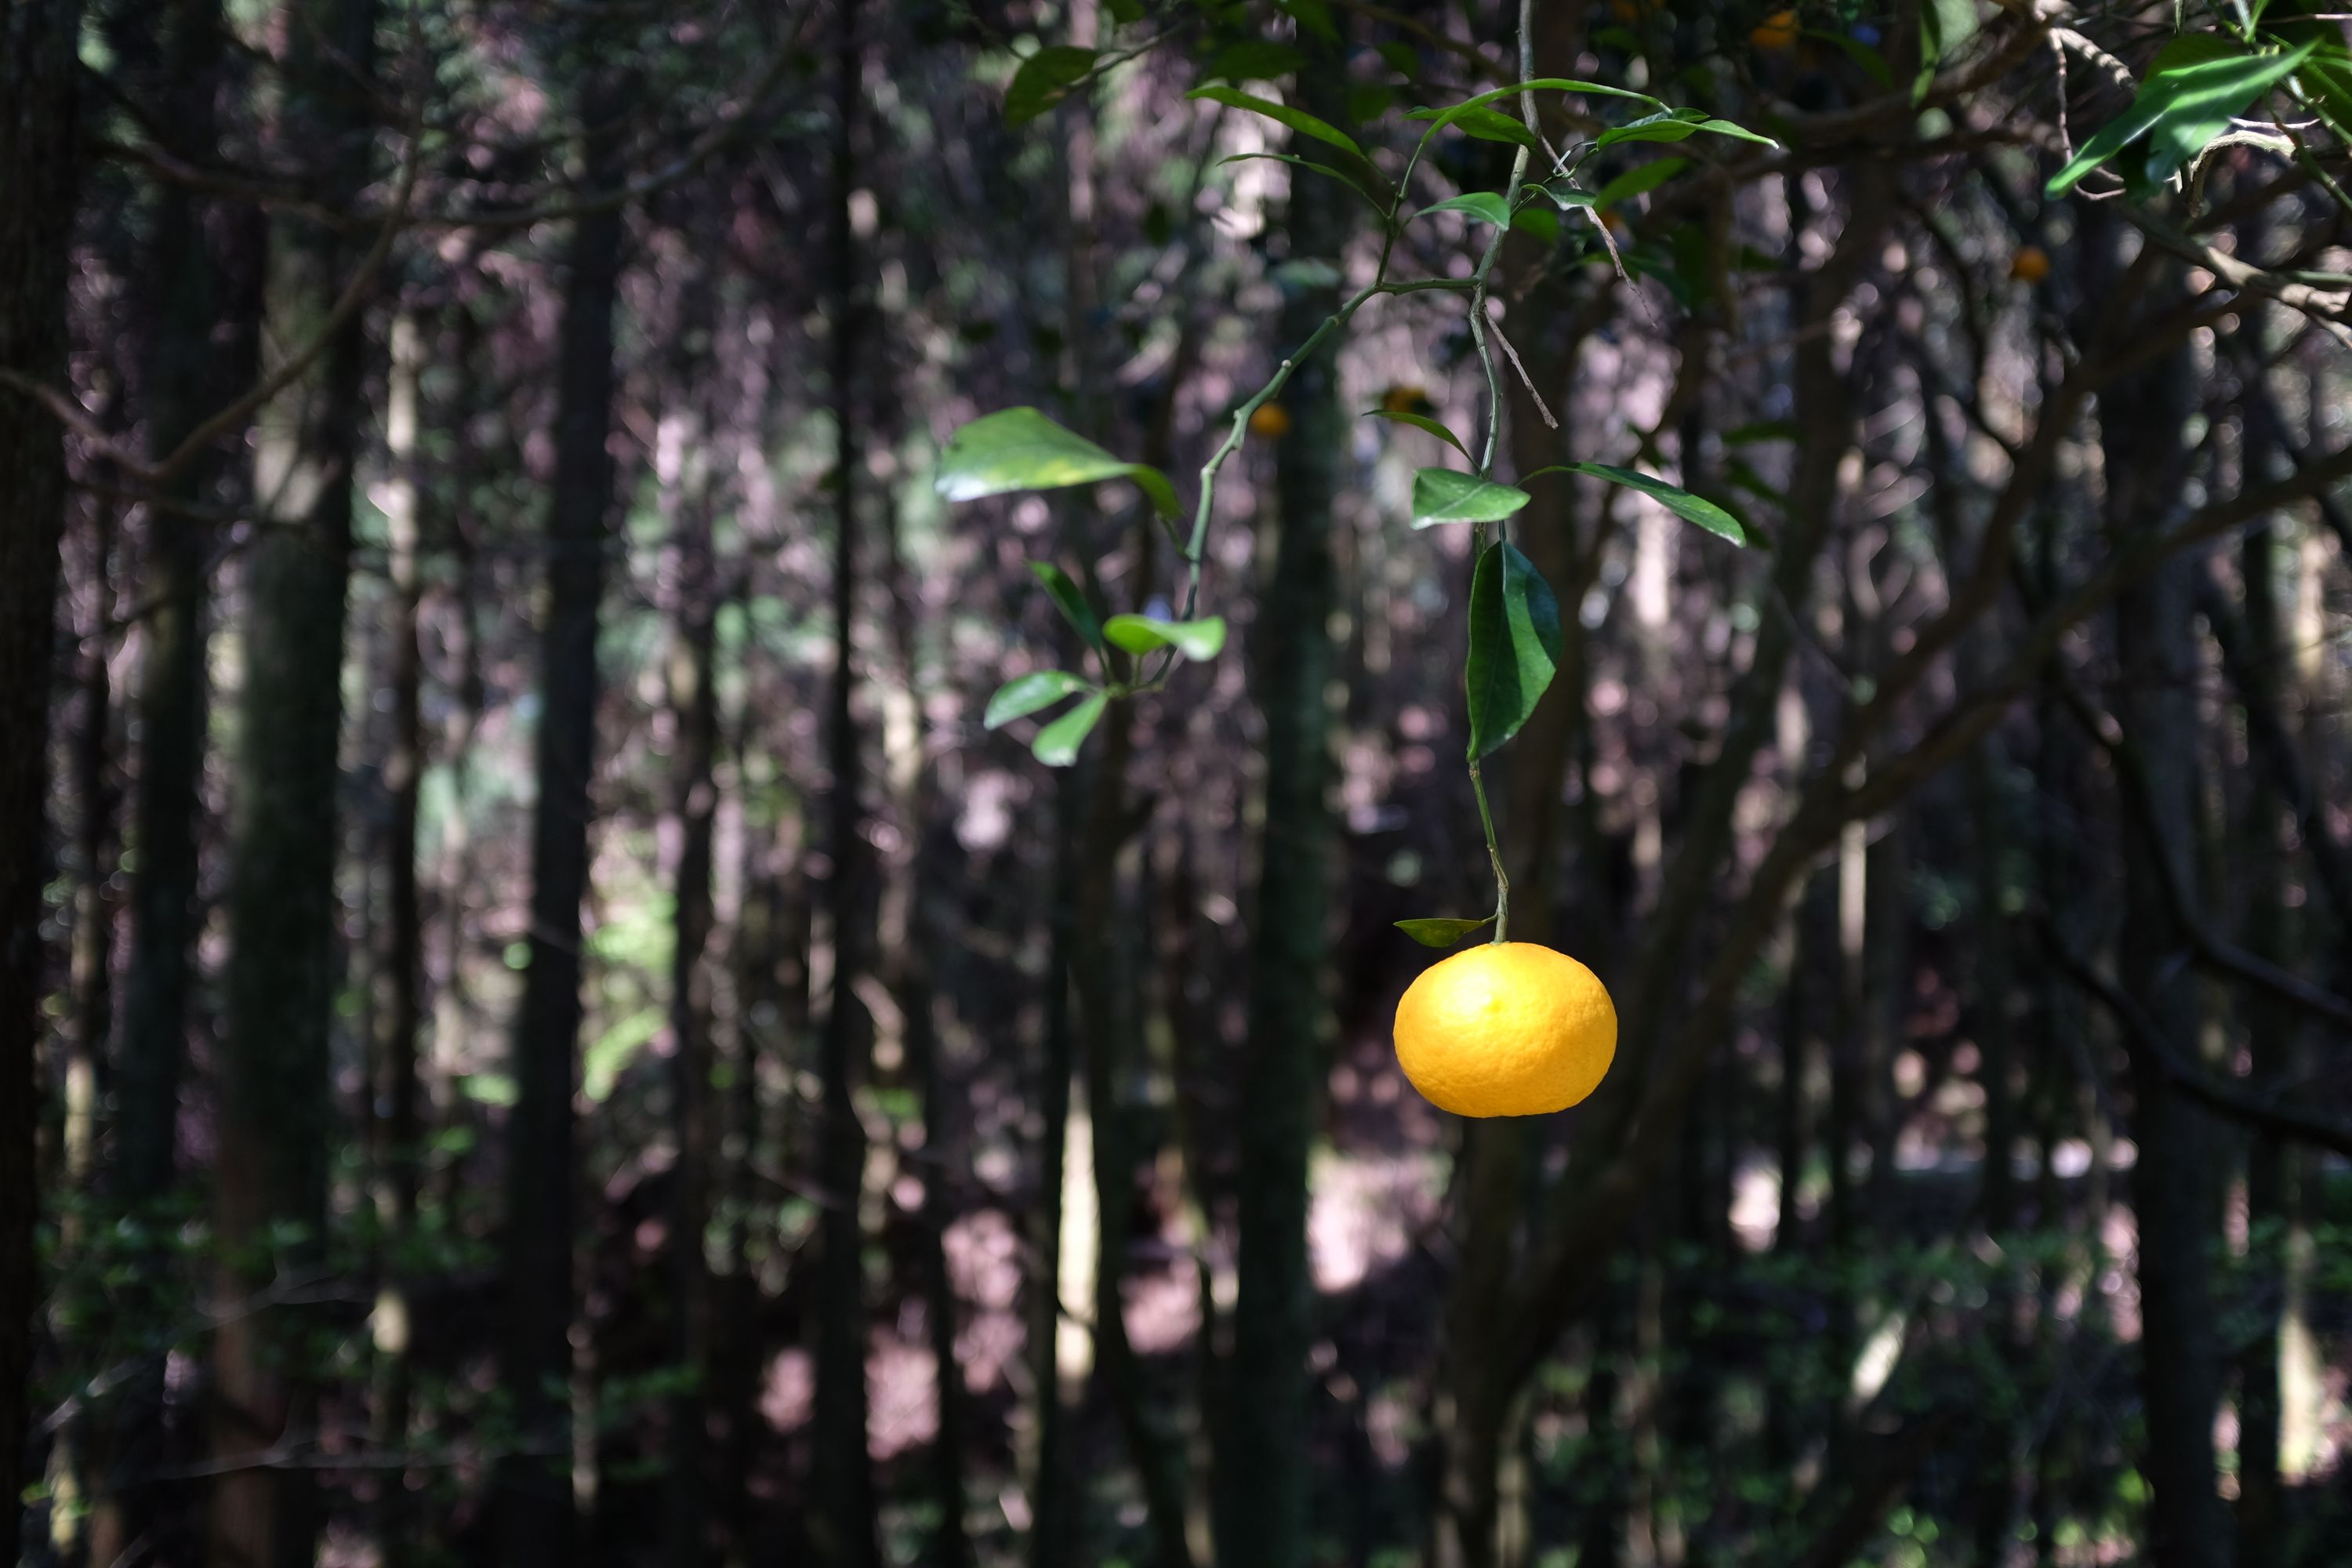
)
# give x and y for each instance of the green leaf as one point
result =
(1674, 497)
(1639, 180)
(1421, 421)
(1944, 26)
(1439, 118)
(1024, 694)
(1298, 120)
(1441, 930)
(1514, 645)
(1401, 58)
(1021, 449)
(2189, 98)
(1484, 123)
(1057, 743)
(1198, 640)
(1297, 162)
(1487, 206)
(1679, 126)
(1069, 601)
(1762, 430)
(1125, 10)
(1254, 59)
(1542, 222)
(1449, 495)
(1045, 79)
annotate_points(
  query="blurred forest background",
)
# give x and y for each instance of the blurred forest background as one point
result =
(541, 1028)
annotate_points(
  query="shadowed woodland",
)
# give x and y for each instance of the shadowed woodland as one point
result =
(569, 995)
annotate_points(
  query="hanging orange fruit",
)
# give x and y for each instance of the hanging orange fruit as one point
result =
(2030, 265)
(1270, 420)
(1775, 32)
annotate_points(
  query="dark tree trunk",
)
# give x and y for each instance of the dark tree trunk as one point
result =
(283, 953)
(400, 1128)
(1264, 1455)
(534, 1485)
(204, 259)
(38, 76)
(2141, 421)
(694, 804)
(841, 1519)
(283, 840)
(2272, 1032)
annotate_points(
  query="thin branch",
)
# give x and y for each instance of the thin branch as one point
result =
(2132, 766)
(2224, 1096)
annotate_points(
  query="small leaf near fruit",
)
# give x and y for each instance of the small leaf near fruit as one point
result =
(1441, 930)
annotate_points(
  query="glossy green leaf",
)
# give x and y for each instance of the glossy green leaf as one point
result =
(1199, 640)
(1298, 120)
(1441, 118)
(1487, 206)
(1542, 222)
(1021, 449)
(1514, 645)
(1441, 930)
(2189, 97)
(1067, 599)
(1025, 694)
(1043, 79)
(1639, 180)
(1057, 743)
(1419, 422)
(1449, 495)
(1678, 126)
(1484, 123)
(1674, 497)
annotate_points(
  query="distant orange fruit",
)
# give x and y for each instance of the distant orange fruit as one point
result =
(1271, 420)
(1403, 398)
(2030, 265)
(1776, 31)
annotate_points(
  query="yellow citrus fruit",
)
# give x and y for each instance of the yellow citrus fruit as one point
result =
(2030, 265)
(1508, 1028)
(1776, 31)
(1270, 420)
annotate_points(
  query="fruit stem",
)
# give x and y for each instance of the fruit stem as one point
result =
(1495, 856)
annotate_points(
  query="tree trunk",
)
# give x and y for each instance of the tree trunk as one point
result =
(1264, 1455)
(2141, 420)
(842, 1520)
(400, 1128)
(536, 1517)
(283, 973)
(2272, 1031)
(694, 802)
(38, 75)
